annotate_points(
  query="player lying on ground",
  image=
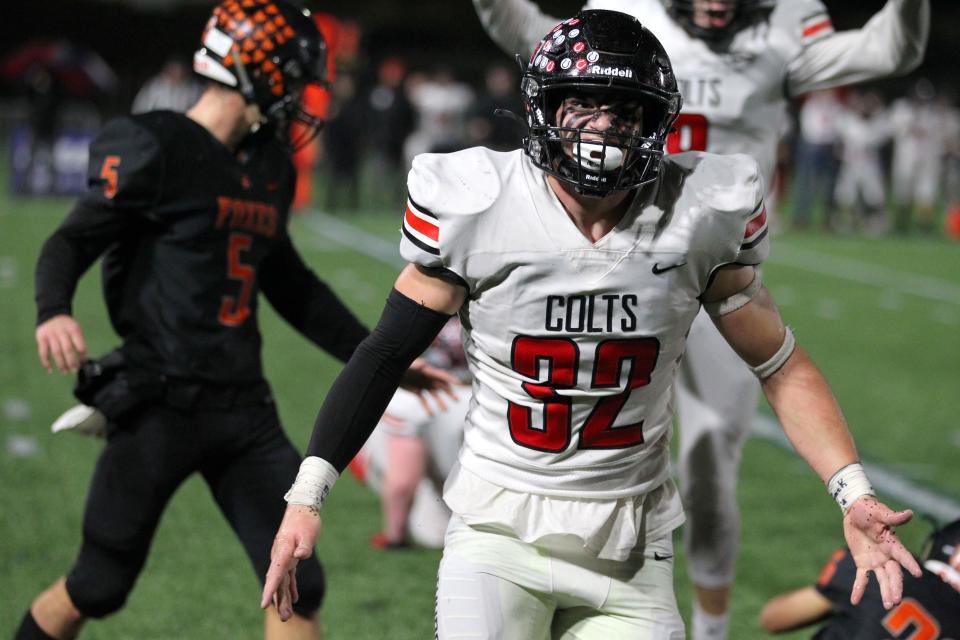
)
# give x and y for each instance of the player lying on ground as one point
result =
(930, 608)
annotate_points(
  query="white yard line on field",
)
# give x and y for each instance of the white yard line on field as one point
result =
(919, 498)
(922, 499)
(353, 237)
(866, 273)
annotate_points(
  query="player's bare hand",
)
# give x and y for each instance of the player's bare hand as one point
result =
(60, 343)
(294, 542)
(422, 378)
(869, 529)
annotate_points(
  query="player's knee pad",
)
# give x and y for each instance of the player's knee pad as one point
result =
(311, 586)
(101, 580)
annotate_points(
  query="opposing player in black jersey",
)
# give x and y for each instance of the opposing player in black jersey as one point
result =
(930, 609)
(190, 213)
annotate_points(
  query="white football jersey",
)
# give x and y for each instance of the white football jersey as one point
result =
(735, 100)
(573, 345)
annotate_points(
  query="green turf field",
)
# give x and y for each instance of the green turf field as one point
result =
(885, 327)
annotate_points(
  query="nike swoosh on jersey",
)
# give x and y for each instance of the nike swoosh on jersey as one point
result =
(657, 269)
(661, 556)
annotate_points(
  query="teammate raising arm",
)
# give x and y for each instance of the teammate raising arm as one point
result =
(577, 266)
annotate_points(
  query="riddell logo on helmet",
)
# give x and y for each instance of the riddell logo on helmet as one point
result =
(611, 71)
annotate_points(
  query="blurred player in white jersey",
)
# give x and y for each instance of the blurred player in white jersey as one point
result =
(577, 266)
(412, 451)
(922, 130)
(864, 128)
(737, 63)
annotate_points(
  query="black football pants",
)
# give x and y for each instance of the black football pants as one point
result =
(246, 460)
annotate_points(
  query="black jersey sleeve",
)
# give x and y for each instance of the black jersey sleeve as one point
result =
(124, 182)
(308, 303)
(126, 168)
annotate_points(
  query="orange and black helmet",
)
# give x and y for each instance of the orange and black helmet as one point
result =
(268, 50)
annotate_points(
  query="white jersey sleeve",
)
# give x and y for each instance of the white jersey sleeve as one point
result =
(446, 195)
(891, 43)
(732, 228)
(515, 25)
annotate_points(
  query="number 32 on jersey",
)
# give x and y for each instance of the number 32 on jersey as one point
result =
(562, 357)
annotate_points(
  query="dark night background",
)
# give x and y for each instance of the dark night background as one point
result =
(136, 37)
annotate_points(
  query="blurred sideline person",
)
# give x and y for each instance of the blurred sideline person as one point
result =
(737, 63)
(922, 131)
(930, 609)
(391, 118)
(860, 191)
(485, 126)
(412, 451)
(577, 266)
(816, 157)
(441, 102)
(343, 141)
(190, 214)
(172, 89)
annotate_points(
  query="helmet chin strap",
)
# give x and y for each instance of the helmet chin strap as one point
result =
(247, 91)
(255, 117)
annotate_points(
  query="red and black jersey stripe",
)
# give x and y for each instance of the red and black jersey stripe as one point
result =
(421, 227)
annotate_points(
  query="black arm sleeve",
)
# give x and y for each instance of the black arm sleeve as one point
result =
(69, 252)
(308, 304)
(364, 388)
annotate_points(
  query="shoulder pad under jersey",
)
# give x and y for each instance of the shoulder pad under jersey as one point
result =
(724, 197)
(446, 192)
(126, 166)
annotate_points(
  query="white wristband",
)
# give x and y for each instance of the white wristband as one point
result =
(848, 484)
(313, 483)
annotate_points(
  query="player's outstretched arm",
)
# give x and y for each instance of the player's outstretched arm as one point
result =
(794, 610)
(418, 307)
(515, 25)
(812, 420)
(891, 43)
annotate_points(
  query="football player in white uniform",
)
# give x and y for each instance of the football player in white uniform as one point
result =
(737, 63)
(577, 266)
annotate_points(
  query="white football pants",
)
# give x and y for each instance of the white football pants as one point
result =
(495, 586)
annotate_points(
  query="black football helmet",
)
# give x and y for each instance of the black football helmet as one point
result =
(941, 553)
(732, 15)
(269, 51)
(607, 62)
